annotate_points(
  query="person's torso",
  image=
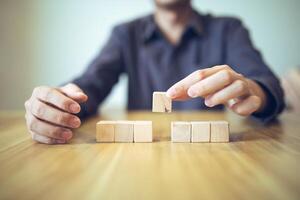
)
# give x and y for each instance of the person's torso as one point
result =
(155, 64)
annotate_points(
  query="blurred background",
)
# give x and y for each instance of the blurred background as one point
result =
(49, 42)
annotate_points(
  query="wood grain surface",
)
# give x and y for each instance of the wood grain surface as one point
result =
(260, 162)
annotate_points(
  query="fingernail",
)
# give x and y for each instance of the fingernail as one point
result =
(171, 93)
(75, 122)
(66, 134)
(80, 94)
(74, 108)
(208, 103)
(192, 93)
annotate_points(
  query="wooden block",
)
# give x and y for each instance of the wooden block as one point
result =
(181, 132)
(124, 131)
(200, 131)
(219, 131)
(105, 131)
(161, 103)
(142, 131)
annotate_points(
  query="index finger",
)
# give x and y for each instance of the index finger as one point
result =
(57, 99)
(179, 90)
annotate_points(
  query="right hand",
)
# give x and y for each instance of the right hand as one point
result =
(50, 113)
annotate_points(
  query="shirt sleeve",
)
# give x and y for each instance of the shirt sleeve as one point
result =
(245, 59)
(101, 75)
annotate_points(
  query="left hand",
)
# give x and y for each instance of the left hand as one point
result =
(221, 85)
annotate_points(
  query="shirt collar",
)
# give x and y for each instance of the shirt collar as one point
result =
(196, 23)
(151, 30)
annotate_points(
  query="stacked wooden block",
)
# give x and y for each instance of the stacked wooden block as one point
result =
(124, 131)
(200, 131)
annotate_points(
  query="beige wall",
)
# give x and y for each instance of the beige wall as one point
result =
(17, 49)
(51, 41)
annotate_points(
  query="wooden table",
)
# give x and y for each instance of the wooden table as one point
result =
(260, 162)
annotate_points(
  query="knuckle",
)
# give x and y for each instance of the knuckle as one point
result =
(47, 94)
(37, 90)
(200, 74)
(226, 67)
(39, 110)
(32, 124)
(26, 104)
(42, 92)
(27, 118)
(227, 76)
(241, 85)
(68, 85)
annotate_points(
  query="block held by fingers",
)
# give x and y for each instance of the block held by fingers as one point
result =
(161, 103)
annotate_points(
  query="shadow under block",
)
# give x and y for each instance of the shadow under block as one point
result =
(105, 131)
(124, 131)
(181, 131)
(142, 131)
(161, 103)
(219, 131)
(200, 131)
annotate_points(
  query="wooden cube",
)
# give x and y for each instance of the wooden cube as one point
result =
(124, 131)
(161, 103)
(105, 131)
(200, 131)
(181, 132)
(142, 131)
(219, 131)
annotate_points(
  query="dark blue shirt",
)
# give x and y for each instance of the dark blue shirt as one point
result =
(139, 49)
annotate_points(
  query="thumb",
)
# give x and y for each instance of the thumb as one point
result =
(74, 92)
